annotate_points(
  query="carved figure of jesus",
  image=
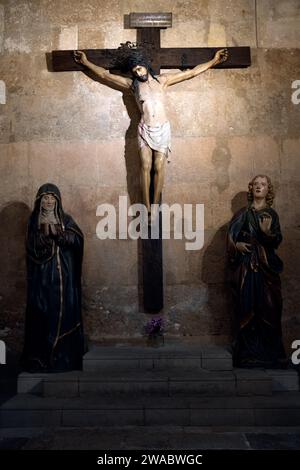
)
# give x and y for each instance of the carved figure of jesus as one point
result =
(154, 134)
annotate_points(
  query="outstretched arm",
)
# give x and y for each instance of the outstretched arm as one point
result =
(102, 73)
(172, 79)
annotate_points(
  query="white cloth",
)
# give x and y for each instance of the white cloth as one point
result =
(157, 137)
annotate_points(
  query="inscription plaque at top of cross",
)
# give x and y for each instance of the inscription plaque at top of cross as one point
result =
(148, 26)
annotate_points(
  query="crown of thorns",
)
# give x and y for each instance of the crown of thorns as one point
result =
(130, 55)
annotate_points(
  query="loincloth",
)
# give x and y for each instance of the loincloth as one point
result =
(157, 138)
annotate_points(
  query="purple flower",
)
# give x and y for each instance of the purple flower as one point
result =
(155, 327)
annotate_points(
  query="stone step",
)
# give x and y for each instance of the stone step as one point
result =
(284, 380)
(281, 409)
(152, 438)
(172, 354)
(155, 383)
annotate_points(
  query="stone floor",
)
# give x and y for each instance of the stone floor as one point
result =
(158, 438)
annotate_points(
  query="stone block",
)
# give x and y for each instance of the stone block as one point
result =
(59, 388)
(206, 387)
(1, 27)
(183, 363)
(30, 418)
(112, 163)
(112, 262)
(222, 417)
(277, 417)
(183, 299)
(284, 380)
(252, 382)
(252, 149)
(72, 12)
(14, 165)
(212, 24)
(290, 160)
(217, 363)
(216, 358)
(108, 365)
(30, 383)
(277, 23)
(177, 261)
(133, 417)
(169, 417)
(44, 164)
(81, 202)
(220, 441)
(195, 153)
(110, 387)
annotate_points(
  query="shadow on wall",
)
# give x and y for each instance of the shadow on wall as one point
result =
(132, 162)
(131, 153)
(215, 275)
(13, 226)
(132, 159)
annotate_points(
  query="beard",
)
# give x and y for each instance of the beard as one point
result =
(143, 78)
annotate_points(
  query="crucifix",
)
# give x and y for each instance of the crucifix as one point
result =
(148, 87)
(148, 26)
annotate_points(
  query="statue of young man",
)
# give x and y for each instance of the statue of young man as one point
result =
(154, 133)
(254, 235)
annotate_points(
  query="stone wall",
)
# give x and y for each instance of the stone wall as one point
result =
(227, 125)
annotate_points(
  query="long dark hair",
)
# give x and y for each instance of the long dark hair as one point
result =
(128, 56)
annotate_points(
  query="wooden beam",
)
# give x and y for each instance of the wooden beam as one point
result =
(168, 58)
(150, 37)
(63, 61)
(173, 58)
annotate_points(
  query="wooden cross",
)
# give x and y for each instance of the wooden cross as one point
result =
(148, 26)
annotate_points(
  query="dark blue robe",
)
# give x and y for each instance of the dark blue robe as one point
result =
(256, 287)
(53, 323)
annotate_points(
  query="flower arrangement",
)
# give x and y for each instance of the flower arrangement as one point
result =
(155, 329)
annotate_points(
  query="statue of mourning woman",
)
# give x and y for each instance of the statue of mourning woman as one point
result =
(254, 234)
(53, 324)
